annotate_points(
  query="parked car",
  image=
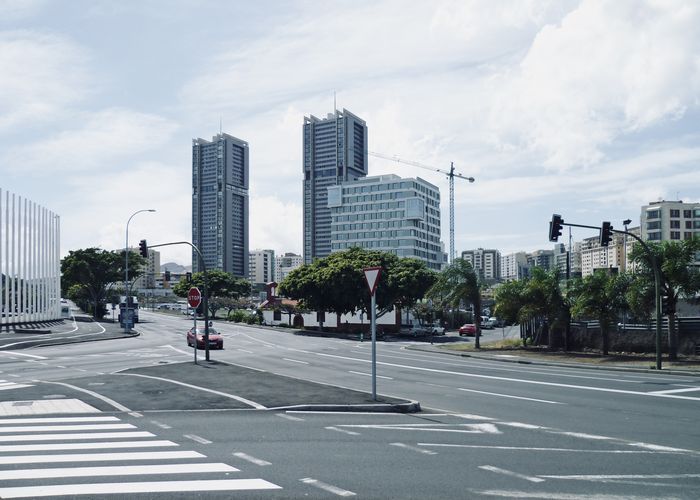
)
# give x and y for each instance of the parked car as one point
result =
(487, 324)
(216, 341)
(467, 329)
(437, 328)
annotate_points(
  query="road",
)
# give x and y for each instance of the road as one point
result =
(488, 429)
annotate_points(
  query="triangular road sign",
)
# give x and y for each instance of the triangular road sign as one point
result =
(372, 277)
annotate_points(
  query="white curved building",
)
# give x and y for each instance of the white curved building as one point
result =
(30, 264)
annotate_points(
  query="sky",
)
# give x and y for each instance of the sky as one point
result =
(588, 109)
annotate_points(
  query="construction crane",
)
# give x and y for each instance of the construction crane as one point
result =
(451, 174)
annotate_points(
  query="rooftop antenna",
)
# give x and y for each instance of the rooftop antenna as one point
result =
(221, 125)
(335, 107)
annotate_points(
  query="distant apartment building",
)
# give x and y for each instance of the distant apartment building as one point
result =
(150, 272)
(284, 264)
(335, 151)
(261, 266)
(541, 258)
(594, 256)
(486, 263)
(670, 221)
(388, 213)
(514, 266)
(220, 204)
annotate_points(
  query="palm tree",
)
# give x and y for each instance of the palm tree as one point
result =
(602, 296)
(543, 299)
(459, 284)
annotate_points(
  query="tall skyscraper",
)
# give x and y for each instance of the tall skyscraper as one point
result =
(335, 151)
(220, 204)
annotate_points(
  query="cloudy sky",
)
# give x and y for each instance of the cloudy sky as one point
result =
(589, 109)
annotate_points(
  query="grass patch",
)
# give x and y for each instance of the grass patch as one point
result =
(506, 344)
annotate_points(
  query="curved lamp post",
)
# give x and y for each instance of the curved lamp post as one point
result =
(126, 267)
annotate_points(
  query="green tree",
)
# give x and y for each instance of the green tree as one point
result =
(337, 283)
(543, 299)
(88, 275)
(220, 285)
(601, 296)
(679, 278)
(510, 299)
(459, 284)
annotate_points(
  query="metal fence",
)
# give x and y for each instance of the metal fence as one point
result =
(30, 279)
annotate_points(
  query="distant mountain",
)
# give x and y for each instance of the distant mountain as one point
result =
(174, 267)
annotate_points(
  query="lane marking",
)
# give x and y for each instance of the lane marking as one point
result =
(140, 487)
(245, 350)
(369, 375)
(509, 396)
(251, 459)
(289, 417)
(99, 457)
(506, 472)
(296, 361)
(74, 436)
(510, 379)
(85, 446)
(327, 487)
(602, 477)
(161, 424)
(199, 439)
(107, 400)
(540, 495)
(126, 470)
(52, 428)
(15, 353)
(344, 431)
(204, 389)
(462, 428)
(56, 420)
(413, 448)
(674, 391)
(526, 448)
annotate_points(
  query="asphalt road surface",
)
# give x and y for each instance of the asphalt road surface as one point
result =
(487, 430)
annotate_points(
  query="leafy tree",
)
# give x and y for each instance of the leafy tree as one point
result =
(510, 299)
(679, 278)
(220, 285)
(602, 296)
(88, 275)
(543, 299)
(337, 283)
(459, 284)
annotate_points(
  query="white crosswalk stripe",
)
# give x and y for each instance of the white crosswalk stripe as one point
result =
(71, 455)
(6, 385)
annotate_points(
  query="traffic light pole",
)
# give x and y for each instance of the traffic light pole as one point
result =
(205, 300)
(657, 280)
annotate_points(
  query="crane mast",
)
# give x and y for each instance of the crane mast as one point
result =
(451, 174)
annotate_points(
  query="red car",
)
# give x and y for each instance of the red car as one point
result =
(216, 341)
(467, 329)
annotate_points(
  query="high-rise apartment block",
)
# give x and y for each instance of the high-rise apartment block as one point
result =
(284, 264)
(388, 213)
(670, 220)
(220, 204)
(335, 151)
(514, 266)
(261, 266)
(486, 263)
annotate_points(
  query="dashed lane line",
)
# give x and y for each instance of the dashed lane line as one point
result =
(327, 487)
(510, 473)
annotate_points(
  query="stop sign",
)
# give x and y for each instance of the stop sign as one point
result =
(194, 297)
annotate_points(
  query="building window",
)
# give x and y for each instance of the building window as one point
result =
(675, 213)
(687, 214)
(675, 235)
(653, 225)
(688, 235)
(675, 224)
(653, 214)
(654, 236)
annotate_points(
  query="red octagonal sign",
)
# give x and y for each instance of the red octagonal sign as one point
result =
(194, 297)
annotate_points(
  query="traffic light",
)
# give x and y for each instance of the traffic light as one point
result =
(143, 248)
(555, 227)
(188, 277)
(666, 308)
(606, 232)
(167, 275)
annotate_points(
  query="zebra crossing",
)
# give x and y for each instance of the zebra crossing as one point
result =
(8, 384)
(43, 456)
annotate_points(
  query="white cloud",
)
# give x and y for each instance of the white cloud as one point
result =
(101, 138)
(42, 75)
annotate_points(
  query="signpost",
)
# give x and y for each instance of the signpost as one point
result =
(372, 277)
(194, 298)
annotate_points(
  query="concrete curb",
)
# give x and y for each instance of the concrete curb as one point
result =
(407, 407)
(487, 357)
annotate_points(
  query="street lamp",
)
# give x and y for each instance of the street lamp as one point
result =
(126, 269)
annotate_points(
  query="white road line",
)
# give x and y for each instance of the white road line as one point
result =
(126, 470)
(344, 431)
(107, 400)
(199, 439)
(13, 385)
(542, 495)
(99, 457)
(74, 436)
(602, 477)
(509, 396)
(327, 487)
(510, 379)
(15, 353)
(413, 448)
(141, 487)
(251, 459)
(84, 446)
(289, 417)
(296, 361)
(204, 389)
(526, 448)
(56, 420)
(161, 424)
(369, 375)
(461, 428)
(53, 428)
(245, 350)
(498, 470)
(674, 391)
